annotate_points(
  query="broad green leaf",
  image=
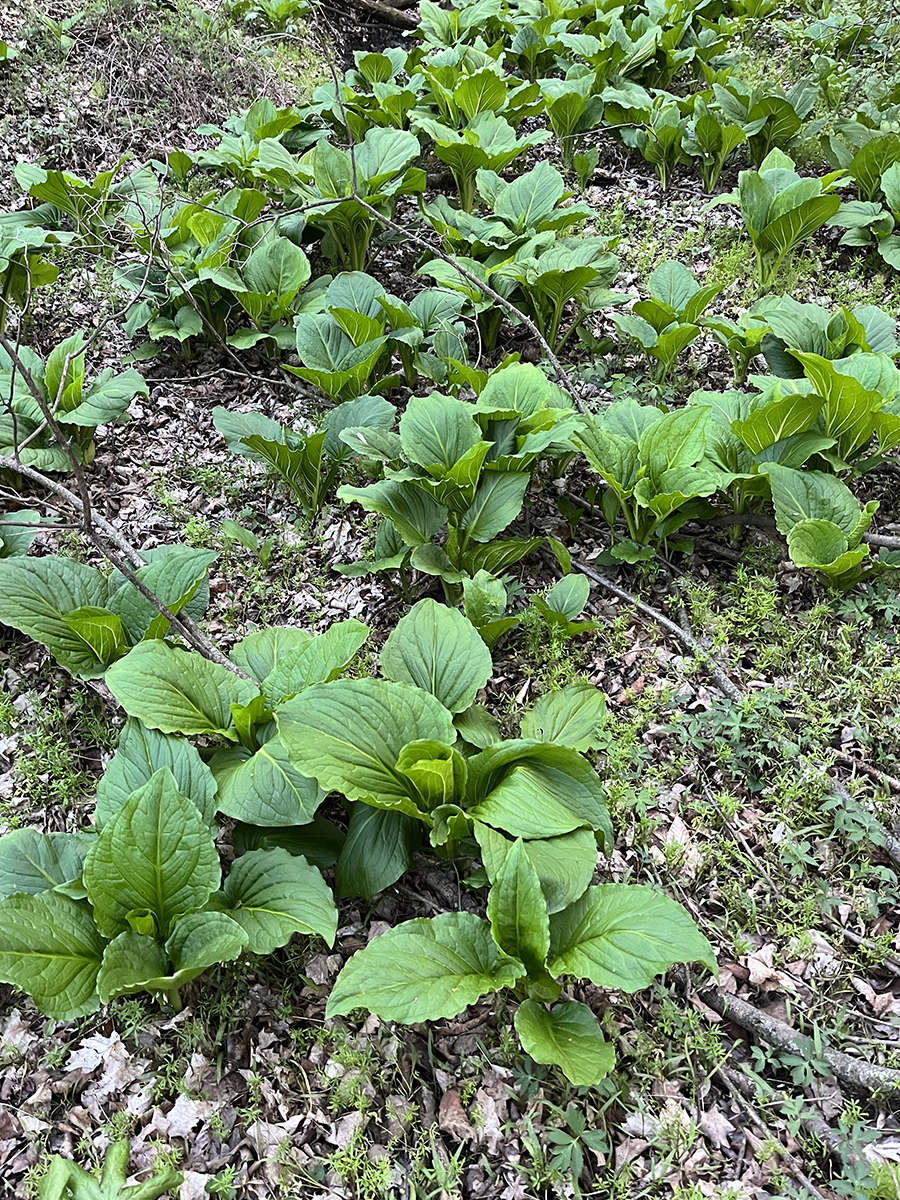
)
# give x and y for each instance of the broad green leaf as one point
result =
(435, 648)
(569, 596)
(177, 691)
(200, 939)
(156, 855)
(299, 465)
(478, 727)
(434, 560)
(365, 414)
(277, 267)
(273, 895)
(810, 495)
(319, 660)
(498, 501)
(566, 1036)
(535, 790)
(130, 962)
(622, 936)
(264, 788)
(384, 153)
(235, 427)
(437, 772)
(673, 284)
(174, 579)
(319, 841)
(675, 440)
(495, 557)
(101, 631)
(140, 754)
(348, 735)
(823, 545)
(379, 848)
(414, 514)
(260, 652)
(531, 198)
(358, 292)
(249, 719)
(15, 536)
(517, 910)
(35, 595)
(436, 432)
(573, 716)
(106, 400)
(797, 224)
(483, 91)
(771, 423)
(32, 862)
(424, 970)
(65, 394)
(672, 341)
(484, 598)
(636, 328)
(565, 865)
(51, 949)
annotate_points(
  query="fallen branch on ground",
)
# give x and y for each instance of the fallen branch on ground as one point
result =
(889, 781)
(866, 1076)
(386, 12)
(738, 1083)
(721, 680)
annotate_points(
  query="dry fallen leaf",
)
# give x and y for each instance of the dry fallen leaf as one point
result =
(16, 1033)
(879, 1002)
(716, 1126)
(452, 1117)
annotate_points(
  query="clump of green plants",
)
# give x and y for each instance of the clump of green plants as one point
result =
(307, 464)
(667, 323)
(141, 905)
(463, 468)
(781, 210)
(88, 620)
(25, 433)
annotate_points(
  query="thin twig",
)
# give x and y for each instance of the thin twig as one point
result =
(890, 781)
(721, 680)
(181, 624)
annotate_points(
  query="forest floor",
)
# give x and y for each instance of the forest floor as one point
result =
(726, 804)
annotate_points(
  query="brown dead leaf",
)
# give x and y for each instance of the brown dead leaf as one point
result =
(716, 1126)
(265, 1138)
(194, 1186)
(344, 1130)
(9, 1126)
(452, 1118)
(880, 1003)
(493, 1117)
(691, 860)
(16, 1033)
(641, 1125)
(185, 1114)
(120, 1067)
(763, 973)
(629, 1150)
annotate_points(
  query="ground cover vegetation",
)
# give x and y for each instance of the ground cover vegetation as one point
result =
(449, 585)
